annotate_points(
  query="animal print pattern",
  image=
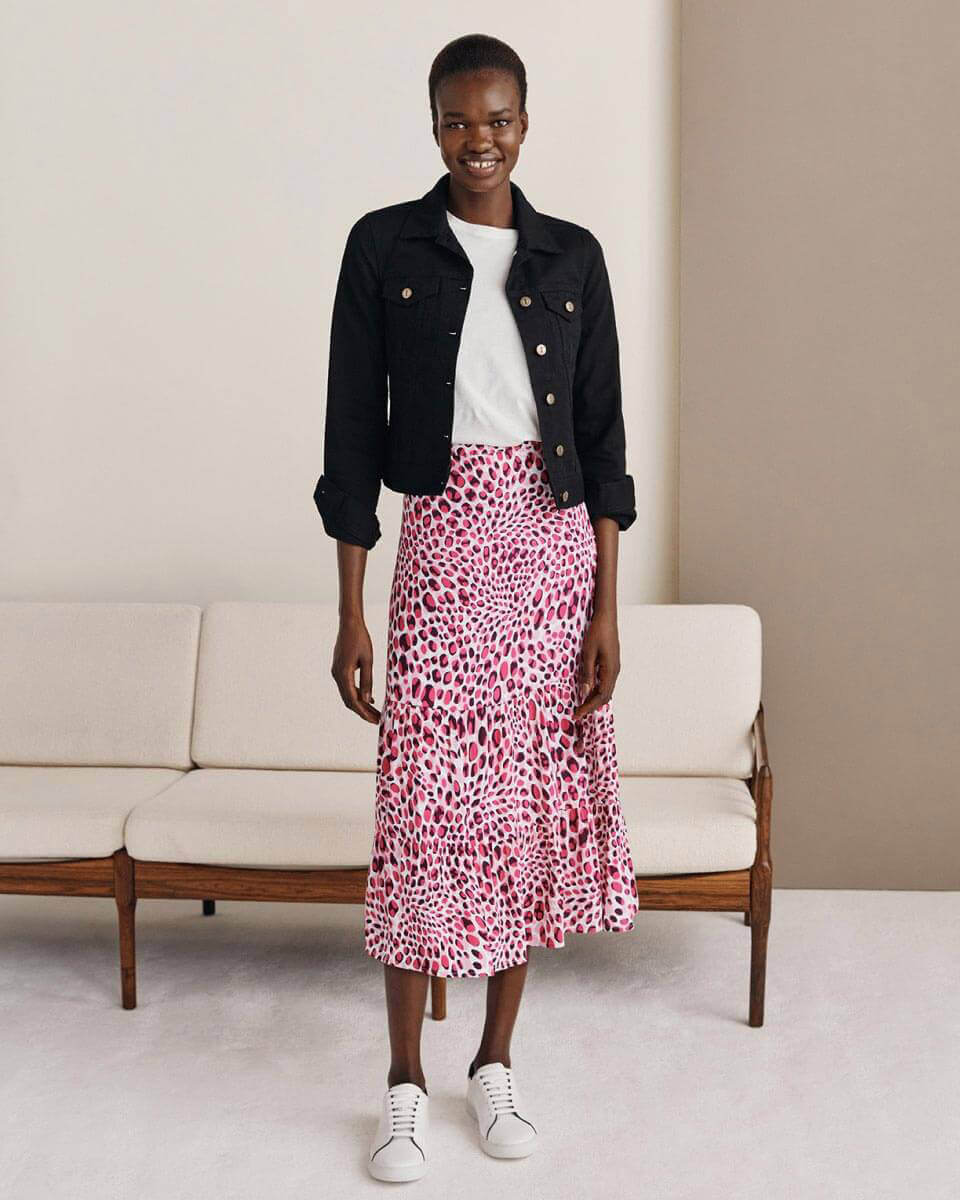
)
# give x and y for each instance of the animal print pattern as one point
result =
(498, 823)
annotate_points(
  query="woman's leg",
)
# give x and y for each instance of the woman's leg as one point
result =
(406, 1001)
(504, 991)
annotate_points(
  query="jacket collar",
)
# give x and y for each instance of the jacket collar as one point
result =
(428, 218)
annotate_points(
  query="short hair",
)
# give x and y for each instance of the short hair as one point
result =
(476, 52)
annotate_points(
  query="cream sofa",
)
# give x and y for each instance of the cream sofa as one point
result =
(168, 751)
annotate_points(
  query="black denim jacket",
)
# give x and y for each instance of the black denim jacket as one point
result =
(399, 307)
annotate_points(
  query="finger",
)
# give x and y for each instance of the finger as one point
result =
(366, 680)
(588, 671)
(355, 701)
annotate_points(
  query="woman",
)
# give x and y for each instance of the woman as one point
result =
(497, 817)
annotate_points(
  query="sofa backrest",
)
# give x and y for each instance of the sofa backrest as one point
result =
(97, 684)
(265, 695)
(684, 703)
(688, 689)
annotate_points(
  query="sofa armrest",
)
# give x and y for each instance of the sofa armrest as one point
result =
(760, 743)
(761, 786)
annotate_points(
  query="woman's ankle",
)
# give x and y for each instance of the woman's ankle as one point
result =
(482, 1057)
(400, 1075)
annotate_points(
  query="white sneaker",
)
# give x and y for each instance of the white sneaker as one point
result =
(492, 1099)
(398, 1149)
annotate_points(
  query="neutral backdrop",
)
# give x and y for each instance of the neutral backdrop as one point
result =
(178, 183)
(820, 411)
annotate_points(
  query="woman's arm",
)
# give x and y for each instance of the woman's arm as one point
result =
(355, 437)
(597, 401)
(608, 489)
(600, 653)
(353, 650)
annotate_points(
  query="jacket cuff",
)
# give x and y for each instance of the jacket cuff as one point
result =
(344, 516)
(612, 498)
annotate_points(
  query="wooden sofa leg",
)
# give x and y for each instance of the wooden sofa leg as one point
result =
(209, 908)
(126, 897)
(760, 889)
(761, 876)
(438, 997)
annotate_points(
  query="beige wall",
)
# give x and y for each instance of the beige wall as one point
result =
(820, 409)
(178, 183)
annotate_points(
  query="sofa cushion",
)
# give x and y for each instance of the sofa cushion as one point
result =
(97, 684)
(688, 689)
(258, 818)
(265, 695)
(684, 704)
(71, 812)
(313, 819)
(686, 825)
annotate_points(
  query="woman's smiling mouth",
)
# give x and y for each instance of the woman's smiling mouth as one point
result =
(481, 166)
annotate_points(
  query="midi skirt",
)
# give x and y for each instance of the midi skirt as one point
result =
(498, 823)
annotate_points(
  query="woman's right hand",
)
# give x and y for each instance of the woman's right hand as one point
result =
(353, 651)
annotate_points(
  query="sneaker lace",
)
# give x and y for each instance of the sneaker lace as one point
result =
(403, 1113)
(499, 1089)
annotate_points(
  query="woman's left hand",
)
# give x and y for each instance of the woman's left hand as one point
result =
(599, 664)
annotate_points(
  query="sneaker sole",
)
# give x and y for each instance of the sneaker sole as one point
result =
(389, 1174)
(517, 1150)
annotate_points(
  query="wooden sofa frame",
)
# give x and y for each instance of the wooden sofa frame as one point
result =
(129, 880)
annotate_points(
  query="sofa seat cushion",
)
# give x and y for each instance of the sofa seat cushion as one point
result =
(316, 819)
(49, 813)
(251, 817)
(688, 824)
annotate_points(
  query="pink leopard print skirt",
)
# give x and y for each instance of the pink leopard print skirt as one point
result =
(498, 824)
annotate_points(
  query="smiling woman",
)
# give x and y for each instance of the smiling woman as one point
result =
(479, 117)
(498, 823)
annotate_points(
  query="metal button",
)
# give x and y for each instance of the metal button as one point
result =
(550, 398)
(407, 293)
(559, 448)
(525, 301)
(564, 494)
(541, 348)
(569, 305)
(453, 332)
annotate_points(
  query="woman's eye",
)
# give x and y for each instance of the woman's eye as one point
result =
(460, 124)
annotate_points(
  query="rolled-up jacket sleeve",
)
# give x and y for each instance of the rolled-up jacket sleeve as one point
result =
(355, 432)
(597, 400)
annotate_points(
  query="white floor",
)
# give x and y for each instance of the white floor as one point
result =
(254, 1064)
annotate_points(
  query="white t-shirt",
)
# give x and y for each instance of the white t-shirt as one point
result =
(493, 399)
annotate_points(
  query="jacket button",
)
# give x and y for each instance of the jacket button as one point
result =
(541, 348)
(569, 305)
(407, 293)
(559, 448)
(525, 301)
(564, 494)
(550, 398)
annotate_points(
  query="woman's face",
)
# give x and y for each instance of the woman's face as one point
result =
(479, 127)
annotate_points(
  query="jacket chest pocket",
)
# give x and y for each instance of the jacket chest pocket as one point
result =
(563, 303)
(410, 307)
